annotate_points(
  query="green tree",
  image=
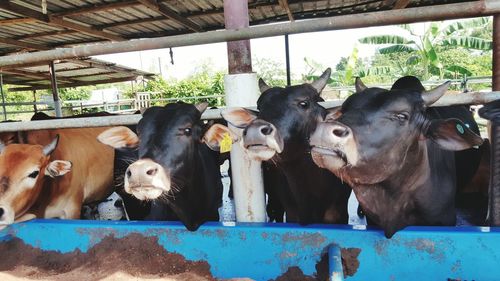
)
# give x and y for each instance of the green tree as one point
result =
(424, 49)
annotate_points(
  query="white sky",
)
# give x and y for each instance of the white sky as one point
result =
(325, 47)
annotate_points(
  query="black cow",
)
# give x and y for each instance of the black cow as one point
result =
(278, 134)
(391, 152)
(176, 170)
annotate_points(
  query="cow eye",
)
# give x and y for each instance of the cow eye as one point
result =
(34, 174)
(401, 116)
(304, 104)
(187, 131)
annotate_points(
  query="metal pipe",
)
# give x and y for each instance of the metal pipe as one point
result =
(3, 98)
(381, 18)
(472, 98)
(55, 93)
(335, 269)
(239, 56)
(287, 61)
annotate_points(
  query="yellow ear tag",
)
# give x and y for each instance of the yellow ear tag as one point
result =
(226, 143)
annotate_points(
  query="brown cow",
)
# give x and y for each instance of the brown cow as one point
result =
(34, 184)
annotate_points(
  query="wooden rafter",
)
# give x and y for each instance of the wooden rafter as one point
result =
(39, 75)
(25, 45)
(284, 5)
(76, 84)
(401, 4)
(171, 14)
(56, 21)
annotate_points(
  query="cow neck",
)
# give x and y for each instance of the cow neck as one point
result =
(309, 185)
(392, 203)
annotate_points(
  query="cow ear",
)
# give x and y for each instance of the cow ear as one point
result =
(359, 85)
(49, 148)
(202, 106)
(58, 168)
(215, 135)
(119, 137)
(333, 113)
(263, 86)
(239, 117)
(320, 83)
(452, 134)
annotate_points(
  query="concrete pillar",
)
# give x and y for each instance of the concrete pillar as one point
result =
(242, 90)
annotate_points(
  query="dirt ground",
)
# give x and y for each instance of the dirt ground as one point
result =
(133, 257)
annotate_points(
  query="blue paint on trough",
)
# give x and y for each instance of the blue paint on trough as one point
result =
(266, 251)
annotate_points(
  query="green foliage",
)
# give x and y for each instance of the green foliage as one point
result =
(79, 93)
(426, 49)
(191, 89)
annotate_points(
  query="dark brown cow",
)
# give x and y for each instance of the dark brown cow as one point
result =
(399, 162)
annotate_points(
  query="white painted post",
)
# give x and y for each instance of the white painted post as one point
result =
(246, 175)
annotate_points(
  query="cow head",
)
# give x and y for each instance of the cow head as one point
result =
(168, 141)
(23, 168)
(284, 121)
(370, 137)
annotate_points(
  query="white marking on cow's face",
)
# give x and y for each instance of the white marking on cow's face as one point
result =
(146, 180)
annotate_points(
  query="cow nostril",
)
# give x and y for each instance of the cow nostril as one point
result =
(1, 212)
(266, 130)
(340, 132)
(129, 173)
(152, 172)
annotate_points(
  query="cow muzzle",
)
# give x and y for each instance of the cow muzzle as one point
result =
(146, 180)
(333, 146)
(6, 216)
(262, 141)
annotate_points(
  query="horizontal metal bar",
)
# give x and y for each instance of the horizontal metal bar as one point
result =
(390, 17)
(449, 99)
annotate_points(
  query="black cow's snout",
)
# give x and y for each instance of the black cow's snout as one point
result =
(2, 211)
(266, 129)
(340, 131)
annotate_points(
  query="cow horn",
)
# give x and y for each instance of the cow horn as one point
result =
(360, 86)
(202, 106)
(433, 95)
(320, 83)
(263, 86)
(49, 148)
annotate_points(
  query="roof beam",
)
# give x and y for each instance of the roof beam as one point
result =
(26, 45)
(97, 8)
(284, 5)
(39, 75)
(56, 21)
(401, 4)
(171, 14)
(76, 84)
(85, 29)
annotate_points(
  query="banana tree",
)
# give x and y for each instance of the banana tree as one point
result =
(424, 47)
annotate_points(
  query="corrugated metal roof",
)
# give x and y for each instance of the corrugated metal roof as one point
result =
(26, 28)
(69, 73)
